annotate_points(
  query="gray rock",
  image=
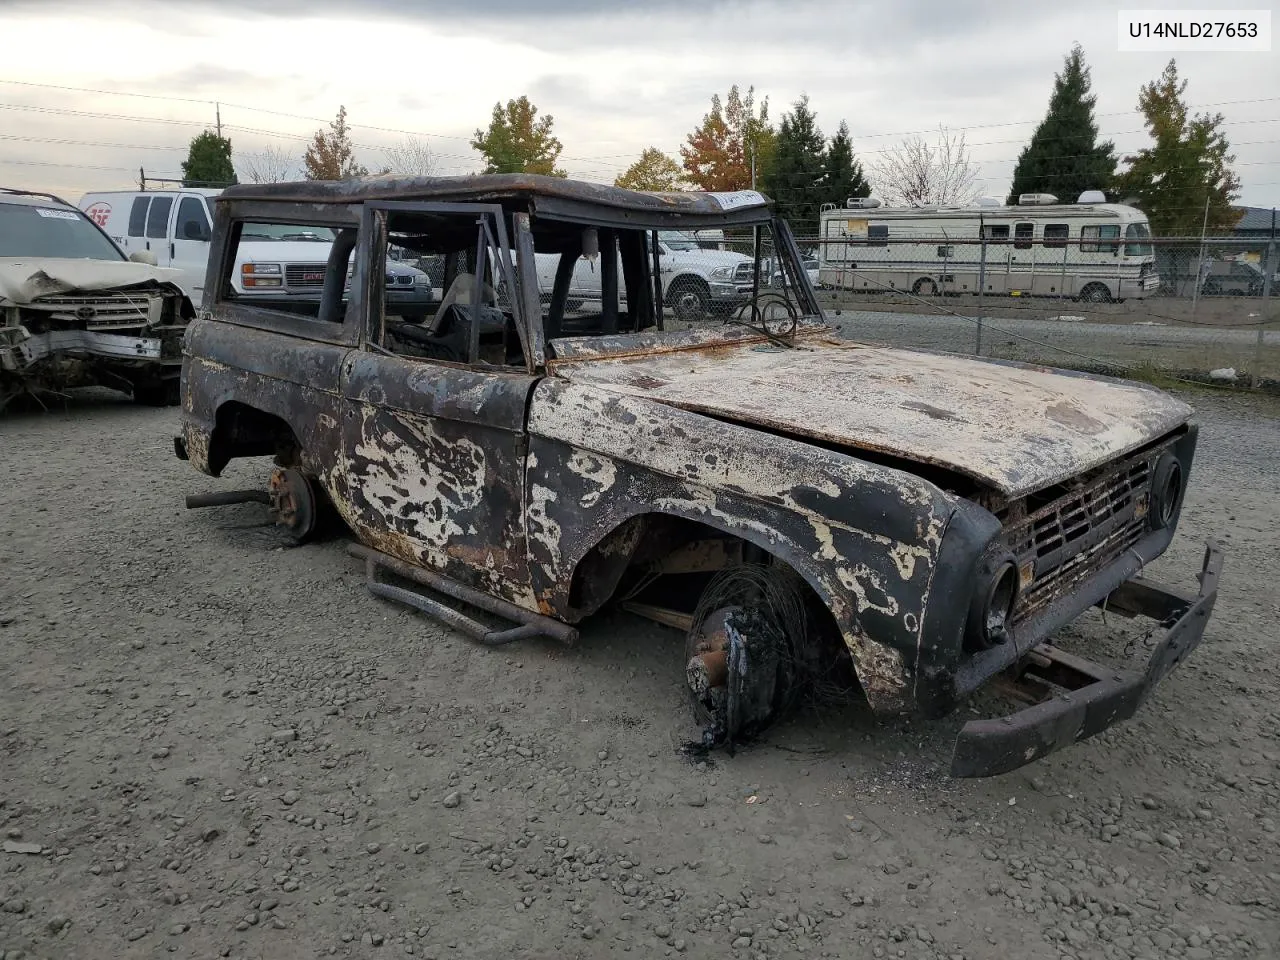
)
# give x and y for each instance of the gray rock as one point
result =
(453, 799)
(285, 736)
(13, 846)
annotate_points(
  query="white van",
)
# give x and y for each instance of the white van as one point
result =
(175, 226)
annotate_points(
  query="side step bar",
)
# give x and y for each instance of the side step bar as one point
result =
(531, 624)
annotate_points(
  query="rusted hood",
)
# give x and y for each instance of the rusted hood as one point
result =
(1013, 427)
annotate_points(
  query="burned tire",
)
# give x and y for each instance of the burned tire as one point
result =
(745, 652)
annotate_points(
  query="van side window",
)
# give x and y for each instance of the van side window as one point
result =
(138, 216)
(1092, 238)
(1055, 234)
(1022, 234)
(192, 223)
(158, 218)
(878, 235)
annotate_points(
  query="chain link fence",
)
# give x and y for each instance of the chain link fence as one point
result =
(1204, 308)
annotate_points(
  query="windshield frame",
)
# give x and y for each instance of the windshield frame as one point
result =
(65, 208)
(248, 236)
(683, 244)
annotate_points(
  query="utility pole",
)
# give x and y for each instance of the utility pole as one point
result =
(753, 166)
(217, 113)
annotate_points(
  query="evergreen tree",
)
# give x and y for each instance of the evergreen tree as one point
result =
(796, 174)
(208, 162)
(1186, 167)
(842, 175)
(519, 141)
(1064, 157)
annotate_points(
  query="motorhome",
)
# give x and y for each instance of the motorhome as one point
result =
(1089, 250)
(172, 227)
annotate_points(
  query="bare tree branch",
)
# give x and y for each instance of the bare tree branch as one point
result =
(272, 165)
(917, 173)
(411, 157)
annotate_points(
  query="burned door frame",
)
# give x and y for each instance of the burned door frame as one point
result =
(433, 451)
(276, 381)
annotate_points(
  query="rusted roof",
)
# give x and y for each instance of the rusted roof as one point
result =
(496, 188)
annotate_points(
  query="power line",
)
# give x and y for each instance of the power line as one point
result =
(442, 136)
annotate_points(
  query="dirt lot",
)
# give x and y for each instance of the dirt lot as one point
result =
(223, 748)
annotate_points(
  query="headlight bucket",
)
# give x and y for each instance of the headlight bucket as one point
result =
(991, 610)
(1167, 486)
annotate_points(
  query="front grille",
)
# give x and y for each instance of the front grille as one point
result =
(1082, 529)
(743, 272)
(403, 280)
(105, 311)
(304, 275)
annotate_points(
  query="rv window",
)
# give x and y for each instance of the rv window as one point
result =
(878, 235)
(996, 231)
(1056, 234)
(138, 216)
(158, 218)
(1137, 231)
(946, 251)
(1092, 237)
(1022, 233)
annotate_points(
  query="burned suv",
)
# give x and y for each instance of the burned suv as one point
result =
(801, 505)
(74, 311)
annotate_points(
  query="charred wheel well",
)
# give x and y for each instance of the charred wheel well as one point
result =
(658, 565)
(244, 431)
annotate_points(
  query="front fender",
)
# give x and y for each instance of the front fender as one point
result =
(867, 538)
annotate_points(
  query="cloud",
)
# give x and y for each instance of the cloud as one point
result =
(616, 79)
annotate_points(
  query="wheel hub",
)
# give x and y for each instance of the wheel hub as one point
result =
(293, 502)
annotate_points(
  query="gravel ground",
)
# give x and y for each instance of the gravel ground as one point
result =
(212, 746)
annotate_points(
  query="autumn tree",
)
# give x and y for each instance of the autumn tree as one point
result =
(917, 173)
(271, 165)
(331, 155)
(1064, 156)
(1186, 166)
(719, 154)
(653, 171)
(842, 174)
(411, 157)
(519, 141)
(795, 176)
(208, 162)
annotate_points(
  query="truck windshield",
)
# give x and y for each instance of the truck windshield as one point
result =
(286, 231)
(28, 230)
(677, 241)
(1137, 232)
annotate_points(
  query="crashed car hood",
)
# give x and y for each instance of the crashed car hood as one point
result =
(1014, 428)
(22, 280)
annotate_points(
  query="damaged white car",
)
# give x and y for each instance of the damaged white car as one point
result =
(74, 311)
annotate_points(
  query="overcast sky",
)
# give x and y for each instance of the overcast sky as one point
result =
(615, 82)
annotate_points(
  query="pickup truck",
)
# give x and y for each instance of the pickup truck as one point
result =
(699, 283)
